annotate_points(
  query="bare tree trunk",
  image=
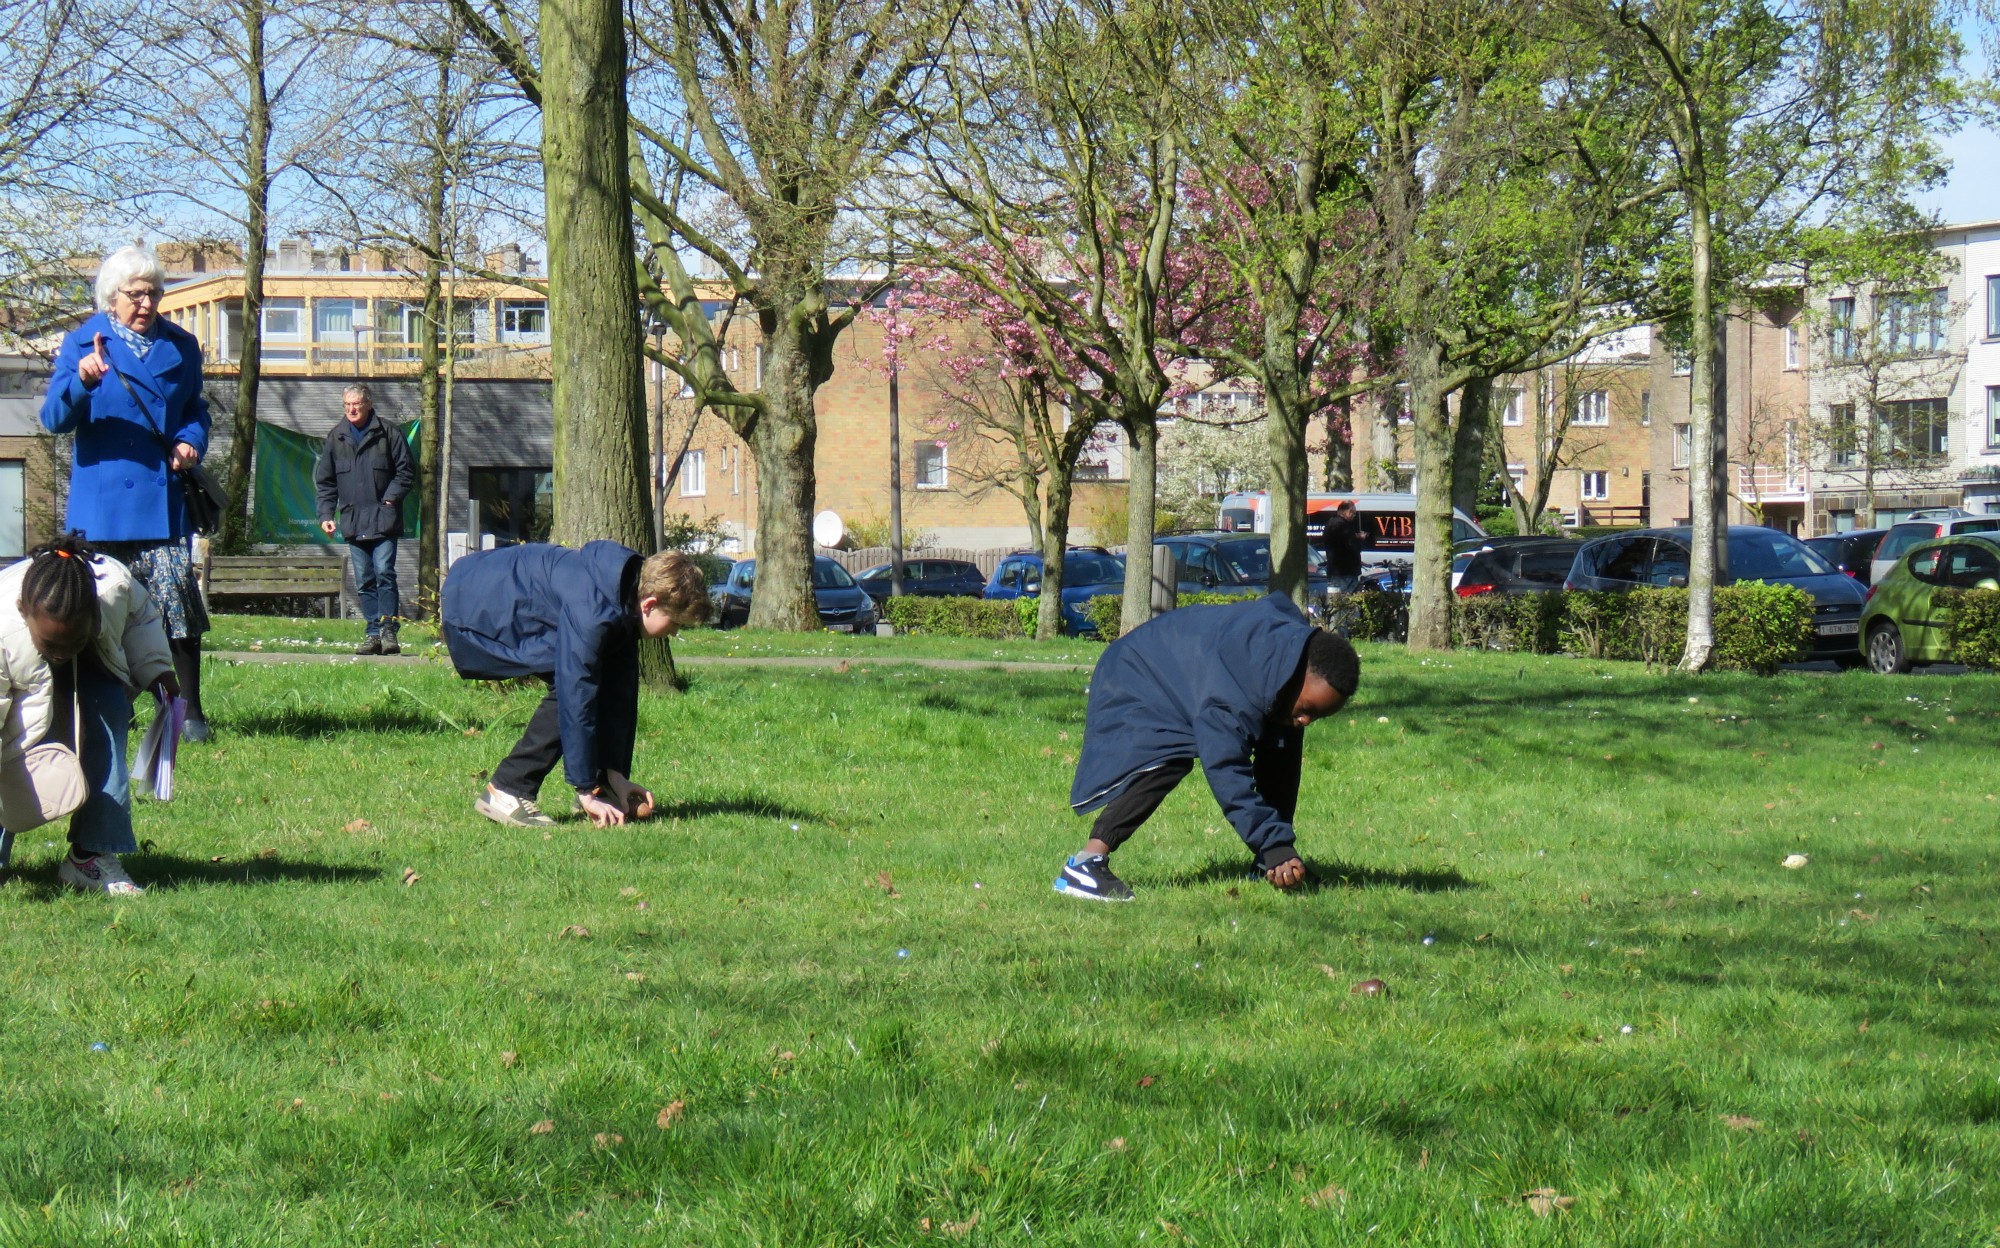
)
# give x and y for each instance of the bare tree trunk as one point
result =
(1285, 434)
(1382, 449)
(235, 535)
(1054, 547)
(1339, 474)
(1430, 583)
(1144, 434)
(1701, 416)
(1468, 452)
(784, 440)
(599, 392)
(430, 402)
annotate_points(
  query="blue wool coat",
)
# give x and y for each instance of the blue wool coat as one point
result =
(120, 489)
(561, 614)
(1202, 683)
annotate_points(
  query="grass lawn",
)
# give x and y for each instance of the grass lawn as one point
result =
(829, 998)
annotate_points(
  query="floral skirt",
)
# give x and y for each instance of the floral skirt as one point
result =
(167, 571)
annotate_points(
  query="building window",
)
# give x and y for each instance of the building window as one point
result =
(931, 473)
(1511, 403)
(1993, 306)
(1683, 445)
(1596, 486)
(1792, 347)
(1518, 474)
(13, 508)
(1403, 403)
(334, 319)
(1646, 408)
(1843, 436)
(511, 505)
(1840, 328)
(1912, 323)
(1843, 521)
(1993, 416)
(694, 474)
(284, 319)
(524, 318)
(1593, 407)
(1683, 364)
(1916, 428)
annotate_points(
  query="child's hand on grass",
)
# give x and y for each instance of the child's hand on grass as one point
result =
(638, 802)
(602, 813)
(1287, 874)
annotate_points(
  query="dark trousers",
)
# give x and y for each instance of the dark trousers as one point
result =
(535, 755)
(374, 563)
(1136, 803)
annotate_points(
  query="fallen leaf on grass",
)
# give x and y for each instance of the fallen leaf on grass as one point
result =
(1423, 1159)
(1330, 972)
(1737, 1122)
(1328, 1195)
(670, 1114)
(1546, 1200)
(959, 1230)
(637, 977)
(606, 1139)
(1865, 918)
(509, 1058)
(388, 1096)
(546, 1126)
(220, 858)
(1172, 1229)
(628, 891)
(887, 884)
(1565, 967)
(577, 930)
(1147, 1081)
(410, 876)
(357, 825)
(267, 854)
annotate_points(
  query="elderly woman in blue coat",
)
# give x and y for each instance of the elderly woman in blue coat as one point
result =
(127, 383)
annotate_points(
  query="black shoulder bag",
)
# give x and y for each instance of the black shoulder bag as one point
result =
(203, 497)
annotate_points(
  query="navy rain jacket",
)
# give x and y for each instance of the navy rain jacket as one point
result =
(1202, 683)
(541, 610)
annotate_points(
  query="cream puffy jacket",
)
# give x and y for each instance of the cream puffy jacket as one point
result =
(131, 643)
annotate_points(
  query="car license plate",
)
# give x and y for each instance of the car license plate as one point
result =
(848, 628)
(1835, 630)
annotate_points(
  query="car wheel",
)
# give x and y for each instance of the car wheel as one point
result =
(1885, 650)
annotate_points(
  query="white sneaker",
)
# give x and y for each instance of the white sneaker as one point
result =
(100, 873)
(515, 812)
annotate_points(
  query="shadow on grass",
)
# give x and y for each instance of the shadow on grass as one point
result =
(760, 806)
(168, 872)
(313, 724)
(1328, 875)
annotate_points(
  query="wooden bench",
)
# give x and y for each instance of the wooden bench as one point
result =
(274, 576)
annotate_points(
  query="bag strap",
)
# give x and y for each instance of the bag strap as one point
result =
(140, 403)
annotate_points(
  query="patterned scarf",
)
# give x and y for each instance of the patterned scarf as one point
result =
(140, 343)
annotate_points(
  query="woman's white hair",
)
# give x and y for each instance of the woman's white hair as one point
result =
(122, 266)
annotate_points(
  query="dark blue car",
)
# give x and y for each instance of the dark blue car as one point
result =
(1234, 563)
(1088, 572)
(843, 607)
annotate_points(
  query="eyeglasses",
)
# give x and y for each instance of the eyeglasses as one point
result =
(148, 295)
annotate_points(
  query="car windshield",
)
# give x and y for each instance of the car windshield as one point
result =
(1767, 556)
(829, 575)
(1081, 569)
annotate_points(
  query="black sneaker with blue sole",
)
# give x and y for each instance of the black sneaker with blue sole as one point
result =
(1089, 877)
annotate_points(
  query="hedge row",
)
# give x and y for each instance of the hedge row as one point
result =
(1972, 626)
(1757, 626)
(1107, 611)
(995, 619)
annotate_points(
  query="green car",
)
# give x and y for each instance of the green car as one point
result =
(1899, 624)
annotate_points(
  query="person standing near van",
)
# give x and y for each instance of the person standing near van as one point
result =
(363, 474)
(1342, 541)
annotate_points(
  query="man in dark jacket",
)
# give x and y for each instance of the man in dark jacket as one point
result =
(363, 474)
(1231, 687)
(1342, 541)
(572, 618)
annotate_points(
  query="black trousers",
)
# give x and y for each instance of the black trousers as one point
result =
(1136, 803)
(535, 755)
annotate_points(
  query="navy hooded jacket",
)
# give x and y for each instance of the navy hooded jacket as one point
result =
(1202, 683)
(541, 610)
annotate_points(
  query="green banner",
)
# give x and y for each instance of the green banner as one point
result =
(287, 506)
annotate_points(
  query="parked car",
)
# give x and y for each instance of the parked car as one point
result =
(1233, 563)
(1923, 527)
(1622, 561)
(1852, 552)
(1462, 552)
(1088, 572)
(926, 578)
(1391, 519)
(1523, 566)
(843, 607)
(1900, 626)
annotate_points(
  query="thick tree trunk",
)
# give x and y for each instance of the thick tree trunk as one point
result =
(1382, 450)
(1430, 583)
(595, 343)
(1054, 547)
(1701, 417)
(235, 535)
(1285, 436)
(1144, 433)
(784, 441)
(1339, 474)
(1468, 451)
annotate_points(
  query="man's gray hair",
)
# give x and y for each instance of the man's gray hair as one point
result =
(360, 391)
(122, 266)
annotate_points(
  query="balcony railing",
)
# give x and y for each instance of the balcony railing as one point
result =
(1770, 484)
(483, 359)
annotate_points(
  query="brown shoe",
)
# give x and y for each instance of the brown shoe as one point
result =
(370, 644)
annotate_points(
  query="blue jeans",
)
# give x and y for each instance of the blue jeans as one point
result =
(375, 582)
(103, 824)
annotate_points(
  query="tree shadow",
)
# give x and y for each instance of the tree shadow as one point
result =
(1321, 875)
(167, 872)
(763, 807)
(313, 723)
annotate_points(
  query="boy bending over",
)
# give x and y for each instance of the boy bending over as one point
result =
(572, 618)
(1231, 687)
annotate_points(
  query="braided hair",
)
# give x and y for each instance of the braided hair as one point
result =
(60, 584)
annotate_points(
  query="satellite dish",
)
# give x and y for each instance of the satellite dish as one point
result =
(827, 528)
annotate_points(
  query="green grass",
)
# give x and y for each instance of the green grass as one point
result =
(303, 1049)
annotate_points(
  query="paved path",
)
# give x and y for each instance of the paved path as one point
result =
(682, 660)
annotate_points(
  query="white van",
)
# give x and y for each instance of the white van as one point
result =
(1392, 518)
